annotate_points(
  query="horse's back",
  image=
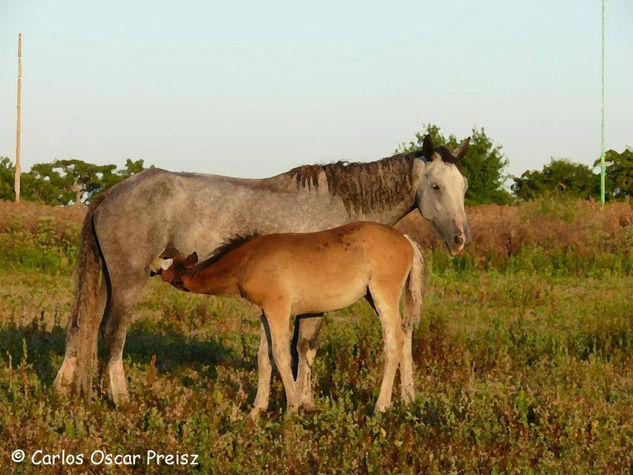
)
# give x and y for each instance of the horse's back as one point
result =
(140, 216)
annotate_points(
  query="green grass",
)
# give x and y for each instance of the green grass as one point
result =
(516, 370)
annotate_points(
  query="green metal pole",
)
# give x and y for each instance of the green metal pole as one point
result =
(603, 170)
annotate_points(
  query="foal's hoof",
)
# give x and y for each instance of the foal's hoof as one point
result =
(60, 386)
(119, 398)
(254, 414)
(381, 409)
(308, 406)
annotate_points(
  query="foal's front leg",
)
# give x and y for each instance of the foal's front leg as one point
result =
(264, 369)
(278, 317)
(304, 348)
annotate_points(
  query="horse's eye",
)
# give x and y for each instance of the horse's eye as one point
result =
(436, 187)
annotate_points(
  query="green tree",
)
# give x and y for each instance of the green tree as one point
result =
(7, 179)
(483, 164)
(619, 173)
(131, 168)
(559, 176)
(52, 183)
(56, 179)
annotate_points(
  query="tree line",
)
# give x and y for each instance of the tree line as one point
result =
(484, 166)
(65, 182)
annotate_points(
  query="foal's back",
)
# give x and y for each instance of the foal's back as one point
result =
(325, 270)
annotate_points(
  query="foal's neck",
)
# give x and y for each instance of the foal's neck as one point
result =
(218, 276)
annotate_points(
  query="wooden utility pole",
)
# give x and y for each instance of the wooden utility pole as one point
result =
(79, 191)
(603, 186)
(17, 133)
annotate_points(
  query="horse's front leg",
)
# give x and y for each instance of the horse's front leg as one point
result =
(304, 348)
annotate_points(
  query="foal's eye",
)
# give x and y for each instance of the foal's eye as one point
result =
(436, 187)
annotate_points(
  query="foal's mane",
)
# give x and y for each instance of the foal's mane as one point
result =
(363, 186)
(228, 246)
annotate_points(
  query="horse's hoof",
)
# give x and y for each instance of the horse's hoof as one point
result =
(64, 380)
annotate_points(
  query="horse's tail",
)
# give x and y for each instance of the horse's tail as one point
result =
(414, 289)
(82, 330)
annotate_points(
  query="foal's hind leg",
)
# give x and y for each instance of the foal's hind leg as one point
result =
(264, 369)
(407, 390)
(304, 348)
(387, 304)
(278, 315)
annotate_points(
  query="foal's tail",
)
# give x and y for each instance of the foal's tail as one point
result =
(82, 330)
(414, 289)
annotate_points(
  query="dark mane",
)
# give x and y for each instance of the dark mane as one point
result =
(363, 186)
(230, 245)
(445, 155)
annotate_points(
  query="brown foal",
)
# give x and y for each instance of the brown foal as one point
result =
(311, 273)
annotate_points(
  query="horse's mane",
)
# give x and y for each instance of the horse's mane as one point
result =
(363, 186)
(446, 155)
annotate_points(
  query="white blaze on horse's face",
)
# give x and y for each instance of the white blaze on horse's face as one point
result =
(440, 199)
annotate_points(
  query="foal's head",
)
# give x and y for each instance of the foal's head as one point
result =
(440, 195)
(172, 270)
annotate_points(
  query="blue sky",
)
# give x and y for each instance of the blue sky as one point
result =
(254, 88)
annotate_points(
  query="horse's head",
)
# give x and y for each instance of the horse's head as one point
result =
(172, 270)
(440, 194)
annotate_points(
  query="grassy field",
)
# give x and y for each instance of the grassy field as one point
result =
(523, 363)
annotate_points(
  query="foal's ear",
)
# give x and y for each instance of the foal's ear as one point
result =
(461, 150)
(166, 264)
(191, 259)
(427, 147)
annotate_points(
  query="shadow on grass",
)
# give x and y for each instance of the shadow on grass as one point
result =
(43, 350)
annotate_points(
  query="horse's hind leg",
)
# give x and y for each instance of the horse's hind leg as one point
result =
(304, 350)
(264, 370)
(124, 294)
(278, 315)
(387, 305)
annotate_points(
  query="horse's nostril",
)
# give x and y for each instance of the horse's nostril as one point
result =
(458, 239)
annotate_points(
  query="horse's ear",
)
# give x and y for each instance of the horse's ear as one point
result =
(427, 147)
(191, 259)
(461, 150)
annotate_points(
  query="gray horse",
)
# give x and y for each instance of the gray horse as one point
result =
(157, 211)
